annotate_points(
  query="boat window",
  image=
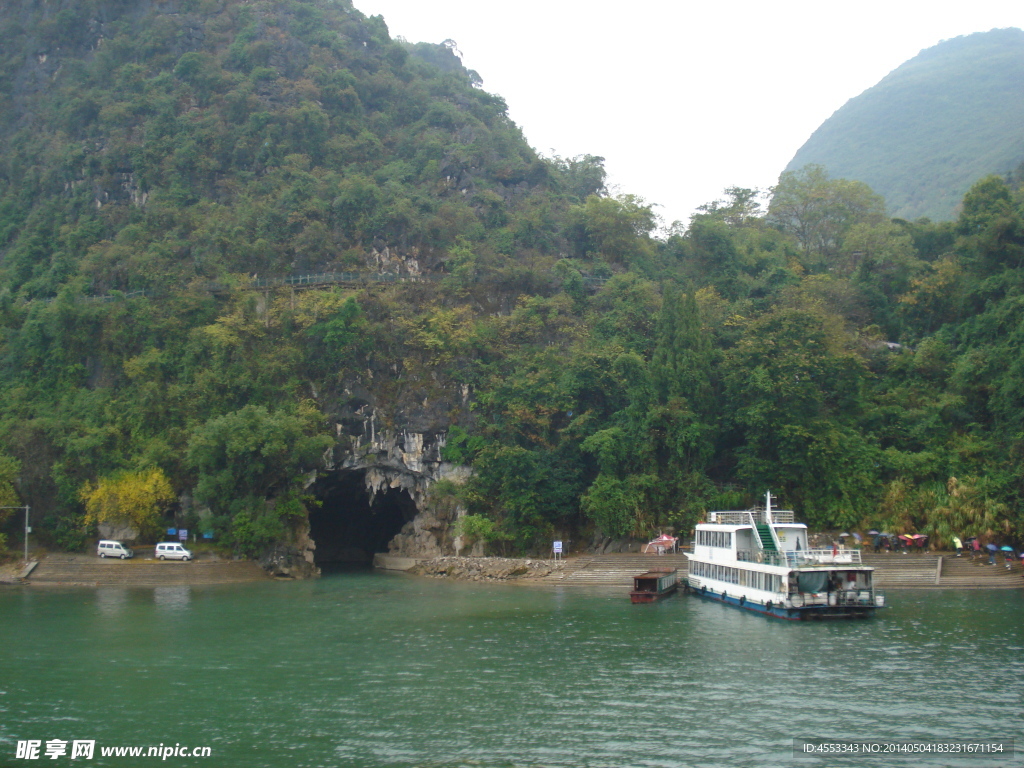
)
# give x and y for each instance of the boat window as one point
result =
(715, 538)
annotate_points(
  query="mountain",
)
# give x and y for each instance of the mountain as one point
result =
(932, 127)
(268, 273)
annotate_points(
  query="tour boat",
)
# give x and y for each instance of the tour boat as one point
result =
(654, 585)
(758, 559)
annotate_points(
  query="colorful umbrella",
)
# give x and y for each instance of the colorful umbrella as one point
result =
(1007, 549)
(991, 547)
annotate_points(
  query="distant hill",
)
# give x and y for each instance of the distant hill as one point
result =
(932, 127)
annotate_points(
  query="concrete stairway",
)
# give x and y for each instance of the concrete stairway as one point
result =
(90, 571)
(899, 570)
(616, 570)
(964, 573)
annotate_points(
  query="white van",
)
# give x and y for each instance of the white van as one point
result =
(171, 550)
(108, 548)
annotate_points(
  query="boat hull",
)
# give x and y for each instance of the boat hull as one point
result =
(650, 597)
(807, 613)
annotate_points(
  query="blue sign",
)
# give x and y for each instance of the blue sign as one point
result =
(171, 531)
(207, 534)
(183, 534)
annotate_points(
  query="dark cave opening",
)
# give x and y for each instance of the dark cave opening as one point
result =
(348, 529)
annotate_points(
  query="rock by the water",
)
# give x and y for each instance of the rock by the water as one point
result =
(486, 568)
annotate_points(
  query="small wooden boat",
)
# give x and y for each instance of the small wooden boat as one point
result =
(654, 585)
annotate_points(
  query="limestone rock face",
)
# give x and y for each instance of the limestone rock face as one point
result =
(409, 461)
(294, 560)
(118, 532)
(405, 458)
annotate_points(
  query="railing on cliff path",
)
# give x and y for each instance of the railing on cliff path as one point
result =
(355, 279)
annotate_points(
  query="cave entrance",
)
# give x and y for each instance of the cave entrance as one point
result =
(348, 529)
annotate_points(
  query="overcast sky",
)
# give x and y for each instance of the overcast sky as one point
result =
(682, 98)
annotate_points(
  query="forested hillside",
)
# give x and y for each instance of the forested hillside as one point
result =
(161, 163)
(932, 127)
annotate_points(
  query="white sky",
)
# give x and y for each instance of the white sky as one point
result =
(684, 98)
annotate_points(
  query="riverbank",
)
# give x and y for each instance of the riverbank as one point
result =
(943, 571)
(10, 572)
(916, 571)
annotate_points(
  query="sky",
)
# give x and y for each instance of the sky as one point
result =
(684, 99)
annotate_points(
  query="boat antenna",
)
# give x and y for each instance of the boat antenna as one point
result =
(768, 507)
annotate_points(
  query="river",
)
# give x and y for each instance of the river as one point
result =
(367, 670)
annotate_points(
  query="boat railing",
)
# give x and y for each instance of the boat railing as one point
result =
(829, 556)
(729, 518)
(751, 516)
(842, 597)
(762, 556)
(794, 558)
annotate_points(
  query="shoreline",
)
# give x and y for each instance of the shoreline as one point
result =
(612, 571)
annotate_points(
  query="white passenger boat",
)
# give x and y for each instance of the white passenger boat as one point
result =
(758, 559)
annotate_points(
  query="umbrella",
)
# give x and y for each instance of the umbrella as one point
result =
(857, 536)
(843, 535)
(872, 532)
(991, 547)
(1007, 549)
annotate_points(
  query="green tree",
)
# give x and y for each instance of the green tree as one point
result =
(795, 387)
(819, 211)
(9, 471)
(254, 453)
(582, 176)
(616, 229)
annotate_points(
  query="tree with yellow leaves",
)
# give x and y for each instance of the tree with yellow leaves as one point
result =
(135, 499)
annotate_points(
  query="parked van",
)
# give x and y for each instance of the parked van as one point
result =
(171, 550)
(108, 548)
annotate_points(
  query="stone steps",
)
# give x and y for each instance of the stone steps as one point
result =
(964, 572)
(898, 570)
(82, 570)
(616, 570)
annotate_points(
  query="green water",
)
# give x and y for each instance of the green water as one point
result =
(366, 670)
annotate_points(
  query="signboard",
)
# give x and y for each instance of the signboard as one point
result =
(207, 534)
(558, 547)
(171, 531)
(183, 534)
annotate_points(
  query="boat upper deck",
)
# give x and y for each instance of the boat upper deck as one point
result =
(765, 536)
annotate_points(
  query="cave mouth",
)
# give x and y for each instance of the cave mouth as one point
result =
(349, 527)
